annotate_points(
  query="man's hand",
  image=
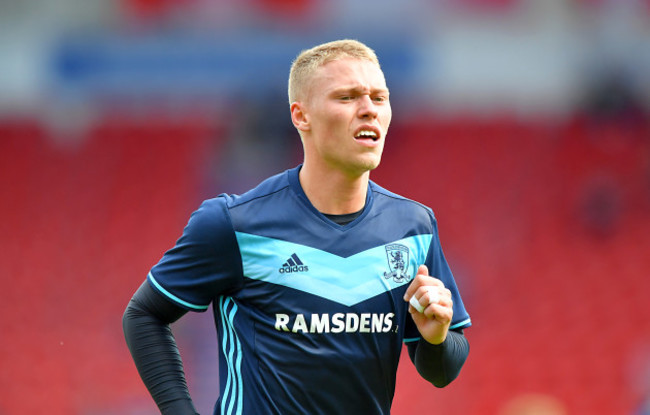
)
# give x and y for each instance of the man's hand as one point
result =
(434, 320)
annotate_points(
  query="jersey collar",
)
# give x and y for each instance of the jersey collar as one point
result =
(294, 182)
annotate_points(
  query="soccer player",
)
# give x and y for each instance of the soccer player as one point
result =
(317, 276)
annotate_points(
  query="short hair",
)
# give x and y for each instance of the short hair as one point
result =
(309, 60)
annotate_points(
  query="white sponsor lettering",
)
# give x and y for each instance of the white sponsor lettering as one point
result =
(364, 323)
(281, 321)
(388, 322)
(351, 323)
(377, 322)
(299, 324)
(336, 323)
(320, 323)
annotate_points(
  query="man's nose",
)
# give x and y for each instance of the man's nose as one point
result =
(367, 107)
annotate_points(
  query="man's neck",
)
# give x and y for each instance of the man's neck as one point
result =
(332, 191)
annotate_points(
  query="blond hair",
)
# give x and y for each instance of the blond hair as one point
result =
(309, 60)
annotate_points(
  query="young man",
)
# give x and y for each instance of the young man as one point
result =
(317, 276)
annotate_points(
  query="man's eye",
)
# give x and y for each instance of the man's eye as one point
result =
(346, 98)
(380, 99)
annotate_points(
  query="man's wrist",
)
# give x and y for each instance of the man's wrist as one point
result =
(439, 339)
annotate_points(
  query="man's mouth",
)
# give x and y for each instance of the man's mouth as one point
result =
(367, 134)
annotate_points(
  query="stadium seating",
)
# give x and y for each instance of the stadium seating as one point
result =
(545, 226)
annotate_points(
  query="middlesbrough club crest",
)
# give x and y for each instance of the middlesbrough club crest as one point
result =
(398, 261)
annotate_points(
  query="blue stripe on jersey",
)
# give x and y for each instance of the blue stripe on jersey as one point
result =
(460, 324)
(453, 326)
(173, 297)
(345, 280)
(233, 391)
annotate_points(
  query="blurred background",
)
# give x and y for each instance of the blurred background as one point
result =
(524, 124)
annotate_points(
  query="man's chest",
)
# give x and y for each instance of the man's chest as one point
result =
(345, 280)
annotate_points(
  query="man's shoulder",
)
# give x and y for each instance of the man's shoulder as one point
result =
(385, 196)
(269, 186)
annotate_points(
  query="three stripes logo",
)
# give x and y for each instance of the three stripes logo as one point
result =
(293, 264)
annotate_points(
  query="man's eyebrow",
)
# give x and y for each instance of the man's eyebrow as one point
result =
(359, 89)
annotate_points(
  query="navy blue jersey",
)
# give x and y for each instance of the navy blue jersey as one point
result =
(310, 315)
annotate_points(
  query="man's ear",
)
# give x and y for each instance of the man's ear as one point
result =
(299, 116)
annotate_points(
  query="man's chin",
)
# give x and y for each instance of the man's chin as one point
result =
(373, 163)
(368, 165)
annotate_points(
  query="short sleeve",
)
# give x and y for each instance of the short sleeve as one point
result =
(205, 261)
(439, 268)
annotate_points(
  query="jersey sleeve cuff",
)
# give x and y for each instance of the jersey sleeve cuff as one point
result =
(461, 324)
(174, 298)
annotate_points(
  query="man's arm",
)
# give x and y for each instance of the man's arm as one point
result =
(440, 363)
(440, 353)
(150, 340)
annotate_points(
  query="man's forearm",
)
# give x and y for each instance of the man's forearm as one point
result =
(440, 364)
(154, 350)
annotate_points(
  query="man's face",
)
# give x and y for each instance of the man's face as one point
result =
(347, 113)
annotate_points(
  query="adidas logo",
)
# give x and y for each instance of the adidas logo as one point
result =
(293, 264)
